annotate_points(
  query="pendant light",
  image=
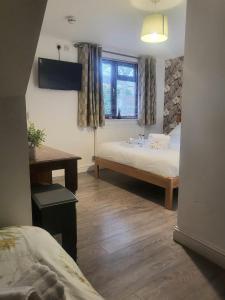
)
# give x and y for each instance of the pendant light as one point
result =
(155, 28)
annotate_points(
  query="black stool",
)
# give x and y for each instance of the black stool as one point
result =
(54, 209)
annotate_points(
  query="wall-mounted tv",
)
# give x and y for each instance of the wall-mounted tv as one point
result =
(59, 75)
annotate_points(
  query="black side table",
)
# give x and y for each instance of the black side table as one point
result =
(54, 209)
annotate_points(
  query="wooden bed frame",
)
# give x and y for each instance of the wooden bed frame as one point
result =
(168, 183)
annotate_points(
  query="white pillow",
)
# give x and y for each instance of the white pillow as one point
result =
(176, 131)
(175, 138)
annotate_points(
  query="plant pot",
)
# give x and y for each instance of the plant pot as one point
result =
(32, 152)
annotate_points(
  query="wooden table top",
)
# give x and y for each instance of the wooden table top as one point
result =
(48, 154)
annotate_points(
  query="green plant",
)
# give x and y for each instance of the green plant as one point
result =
(35, 136)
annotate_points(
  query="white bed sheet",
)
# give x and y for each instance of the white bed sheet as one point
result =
(22, 247)
(159, 162)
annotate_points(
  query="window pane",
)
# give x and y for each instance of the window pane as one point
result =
(126, 71)
(126, 98)
(107, 87)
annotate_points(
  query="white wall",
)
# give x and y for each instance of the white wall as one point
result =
(20, 24)
(56, 111)
(202, 168)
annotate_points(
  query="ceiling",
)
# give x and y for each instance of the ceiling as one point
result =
(116, 24)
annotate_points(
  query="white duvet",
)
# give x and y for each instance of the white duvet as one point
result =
(160, 162)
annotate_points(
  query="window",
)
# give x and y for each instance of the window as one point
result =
(120, 89)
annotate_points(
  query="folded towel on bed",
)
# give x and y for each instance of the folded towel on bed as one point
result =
(44, 281)
(159, 141)
(19, 293)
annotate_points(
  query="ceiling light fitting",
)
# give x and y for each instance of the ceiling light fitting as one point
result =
(155, 28)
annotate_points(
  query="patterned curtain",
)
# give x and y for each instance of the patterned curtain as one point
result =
(147, 90)
(90, 98)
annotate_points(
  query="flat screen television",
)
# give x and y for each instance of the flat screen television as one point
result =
(59, 75)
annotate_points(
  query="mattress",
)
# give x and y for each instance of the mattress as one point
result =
(22, 247)
(159, 162)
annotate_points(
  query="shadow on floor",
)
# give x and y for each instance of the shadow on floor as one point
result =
(214, 275)
(140, 188)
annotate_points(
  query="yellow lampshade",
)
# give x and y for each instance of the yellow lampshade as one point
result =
(155, 29)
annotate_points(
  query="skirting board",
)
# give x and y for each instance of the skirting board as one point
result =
(85, 168)
(81, 169)
(208, 251)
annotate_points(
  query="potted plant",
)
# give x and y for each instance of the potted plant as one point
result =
(35, 138)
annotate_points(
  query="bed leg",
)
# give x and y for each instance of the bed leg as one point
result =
(97, 170)
(169, 197)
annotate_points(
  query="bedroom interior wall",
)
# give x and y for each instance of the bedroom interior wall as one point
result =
(20, 24)
(201, 205)
(56, 111)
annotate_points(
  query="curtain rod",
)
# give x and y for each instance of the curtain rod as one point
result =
(114, 53)
(120, 54)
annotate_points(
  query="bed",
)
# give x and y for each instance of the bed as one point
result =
(158, 167)
(23, 247)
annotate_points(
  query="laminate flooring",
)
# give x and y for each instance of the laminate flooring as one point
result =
(125, 244)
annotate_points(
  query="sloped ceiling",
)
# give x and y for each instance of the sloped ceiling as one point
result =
(116, 24)
(18, 43)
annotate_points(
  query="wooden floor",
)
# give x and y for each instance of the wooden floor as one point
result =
(126, 249)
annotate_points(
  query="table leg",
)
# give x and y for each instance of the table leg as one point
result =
(71, 175)
(69, 232)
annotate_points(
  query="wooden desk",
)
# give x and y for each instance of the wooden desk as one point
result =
(48, 159)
